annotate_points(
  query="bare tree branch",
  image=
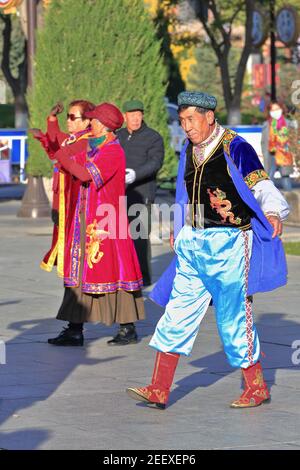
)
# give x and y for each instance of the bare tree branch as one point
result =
(5, 63)
(239, 9)
(240, 72)
(218, 21)
(221, 49)
(232, 87)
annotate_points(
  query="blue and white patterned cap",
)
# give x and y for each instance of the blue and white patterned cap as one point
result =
(197, 98)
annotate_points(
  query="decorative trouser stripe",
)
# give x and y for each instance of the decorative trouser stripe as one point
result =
(248, 303)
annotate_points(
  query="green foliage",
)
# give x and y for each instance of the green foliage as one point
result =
(292, 248)
(99, 50)
(17, 50)
(206, 67)
(175, 82)
(201, 73)
(7, 115)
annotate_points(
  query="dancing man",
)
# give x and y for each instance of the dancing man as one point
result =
(227, 249)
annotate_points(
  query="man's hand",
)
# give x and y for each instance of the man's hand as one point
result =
(130, 176)
(172, 240)
(276, 224)
(57, 109)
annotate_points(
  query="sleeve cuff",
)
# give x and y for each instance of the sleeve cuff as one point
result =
(95, 174)
(255, 176)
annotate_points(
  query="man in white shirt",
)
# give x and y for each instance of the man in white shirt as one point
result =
(227, 249)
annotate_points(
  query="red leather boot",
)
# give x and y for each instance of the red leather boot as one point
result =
(158, 392)
(256, 391)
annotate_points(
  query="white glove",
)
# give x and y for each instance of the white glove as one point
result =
(130, 176)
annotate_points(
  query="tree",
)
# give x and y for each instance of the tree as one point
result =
(165, 20)
(14, 64)
(217, 18)
(206, 67)
(100, 51)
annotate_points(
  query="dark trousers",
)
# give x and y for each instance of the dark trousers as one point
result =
(141, 223)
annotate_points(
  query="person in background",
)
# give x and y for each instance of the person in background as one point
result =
(276, 146)
(144, 150)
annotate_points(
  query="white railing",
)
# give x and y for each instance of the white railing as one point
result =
(9, 139)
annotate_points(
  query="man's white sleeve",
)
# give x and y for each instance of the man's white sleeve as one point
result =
(270, 199)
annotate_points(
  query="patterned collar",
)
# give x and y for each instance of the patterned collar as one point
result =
(72, 138)
(201, 151)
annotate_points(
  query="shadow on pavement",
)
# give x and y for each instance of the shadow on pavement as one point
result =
(276, 354)
(34, 371)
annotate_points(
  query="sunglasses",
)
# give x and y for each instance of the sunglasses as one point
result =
(72, 117)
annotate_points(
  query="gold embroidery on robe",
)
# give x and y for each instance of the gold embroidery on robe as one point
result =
(93, 252)
(222, 206)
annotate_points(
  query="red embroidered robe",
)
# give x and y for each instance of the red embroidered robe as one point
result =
(95, 187)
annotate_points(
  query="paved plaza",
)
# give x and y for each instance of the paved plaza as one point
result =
(74, 398)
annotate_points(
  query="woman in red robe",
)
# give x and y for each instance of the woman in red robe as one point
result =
(100, 267)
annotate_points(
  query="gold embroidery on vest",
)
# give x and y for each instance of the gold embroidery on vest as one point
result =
(255, 176)
(222, 206)
(228, 137)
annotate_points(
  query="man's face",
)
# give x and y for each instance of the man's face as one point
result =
(75, 123)
(197, 127)
(133, 120)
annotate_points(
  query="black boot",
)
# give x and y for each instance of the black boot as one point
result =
(126, 335)
(70, 336)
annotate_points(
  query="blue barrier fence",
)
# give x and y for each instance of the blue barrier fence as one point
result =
(13, 151)
(18, 152)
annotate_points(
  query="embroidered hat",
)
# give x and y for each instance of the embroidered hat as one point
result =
(108, 114)
(197, 98)
(133, 105)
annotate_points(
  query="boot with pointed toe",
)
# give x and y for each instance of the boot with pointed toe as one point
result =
(157, 393)
(256, 391)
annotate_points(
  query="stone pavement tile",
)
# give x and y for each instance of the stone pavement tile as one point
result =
(30, 377)
(186, 412)
(75, 397)
(24, 439)
(58, 437)
(184, 427)
(25, 391)
(288, 378)
(269, 446)
(23, 418)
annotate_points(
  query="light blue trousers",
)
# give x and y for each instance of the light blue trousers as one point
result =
(212, 263)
